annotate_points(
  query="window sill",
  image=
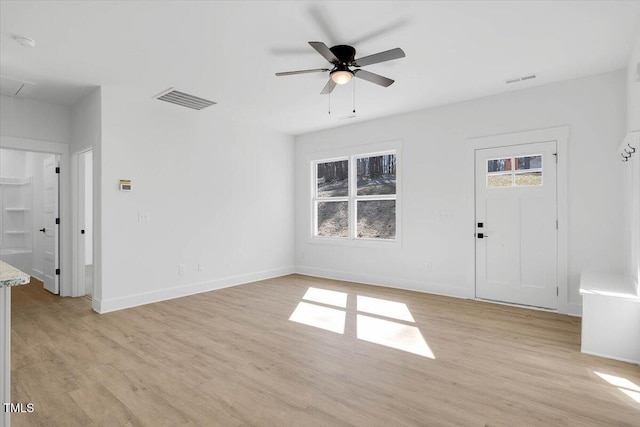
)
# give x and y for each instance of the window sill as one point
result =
(360, 243)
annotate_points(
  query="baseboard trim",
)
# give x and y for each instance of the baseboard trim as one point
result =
(407, 285)
(574, 310)
(115, 304)
(608, 356)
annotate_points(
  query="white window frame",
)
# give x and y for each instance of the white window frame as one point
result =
(352, 198)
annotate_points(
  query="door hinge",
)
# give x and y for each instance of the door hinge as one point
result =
(57, 271)
(57, 221)
(57, 169)
(556, 224)
(557, 291)
(556, 156)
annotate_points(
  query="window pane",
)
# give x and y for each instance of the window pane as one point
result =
(377, 175)
(333, 179)
(528, 162)
(333, 220)
(377, 219)
(499, 165)
(499, 180)
(529, 178)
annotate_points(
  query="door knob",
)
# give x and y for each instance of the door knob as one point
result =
(43, 230)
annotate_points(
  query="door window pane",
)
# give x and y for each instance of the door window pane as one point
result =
(332, 179)
(333, 220)
(528, 178)
(528, 162)
(499, 180)
(498, 165)
(376, 219)
(376, 175)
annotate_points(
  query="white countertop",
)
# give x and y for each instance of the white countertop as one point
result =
(11, 276)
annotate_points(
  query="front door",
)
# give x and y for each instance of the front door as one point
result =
(516, 224)
(50, 228)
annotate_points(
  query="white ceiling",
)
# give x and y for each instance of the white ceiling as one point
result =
(229, 51)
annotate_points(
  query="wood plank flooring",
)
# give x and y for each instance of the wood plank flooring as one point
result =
(233, 358)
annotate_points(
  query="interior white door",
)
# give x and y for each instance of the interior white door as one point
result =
(516, 224)
(50, 228)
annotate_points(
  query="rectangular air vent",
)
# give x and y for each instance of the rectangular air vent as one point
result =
(521, 79)
(181, 98)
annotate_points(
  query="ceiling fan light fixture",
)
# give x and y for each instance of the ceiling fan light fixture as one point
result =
(341, 77)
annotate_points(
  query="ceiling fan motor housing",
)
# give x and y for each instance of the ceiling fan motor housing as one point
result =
(346, 54)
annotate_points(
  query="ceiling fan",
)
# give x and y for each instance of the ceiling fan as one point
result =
(345, 66)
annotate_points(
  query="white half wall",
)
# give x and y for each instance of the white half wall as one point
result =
(215, 193)
(433, 181)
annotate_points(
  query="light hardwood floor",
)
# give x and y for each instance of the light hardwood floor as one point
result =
(232, 357)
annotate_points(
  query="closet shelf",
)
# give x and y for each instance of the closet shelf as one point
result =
(17, 209)
(16, 232)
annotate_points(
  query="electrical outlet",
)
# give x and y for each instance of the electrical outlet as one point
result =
(428, 266)
(143, 216)
(446, 214)
(180, 268)
(200, 267)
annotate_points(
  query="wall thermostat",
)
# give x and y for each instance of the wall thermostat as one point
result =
(125, 185)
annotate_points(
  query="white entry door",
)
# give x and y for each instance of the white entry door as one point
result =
(50, 228)
(516, 224)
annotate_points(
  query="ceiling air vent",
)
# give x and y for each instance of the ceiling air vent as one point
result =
(180, 98)
(521, 79)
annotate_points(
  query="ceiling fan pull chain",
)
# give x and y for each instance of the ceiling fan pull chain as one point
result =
(329, 102)
(354, 96)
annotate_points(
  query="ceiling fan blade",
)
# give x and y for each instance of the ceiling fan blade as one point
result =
(387, 55)
(373, 78)
(328, 88)
(325, 51)
(289, 73)
(379, 32)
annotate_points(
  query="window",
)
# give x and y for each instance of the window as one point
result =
(522, 171)
(355, 197)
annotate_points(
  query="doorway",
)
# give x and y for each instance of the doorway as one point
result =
(29, 220)
(517, 224)
(85, 222)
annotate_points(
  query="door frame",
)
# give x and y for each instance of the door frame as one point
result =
(561, 136)
(49, 147)
(78, 209)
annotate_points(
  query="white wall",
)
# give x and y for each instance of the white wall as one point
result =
(633, 88)
(434, 142)
(217, 192)
(25, 118)
(632, 168)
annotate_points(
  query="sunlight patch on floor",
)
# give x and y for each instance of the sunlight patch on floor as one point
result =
(329, 319)
(386, 308)
(325, 296)
(624, 385)
(392, 334)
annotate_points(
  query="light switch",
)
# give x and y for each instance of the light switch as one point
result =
(143, 216)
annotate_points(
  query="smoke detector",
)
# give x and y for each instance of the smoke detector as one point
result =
(24, 41)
